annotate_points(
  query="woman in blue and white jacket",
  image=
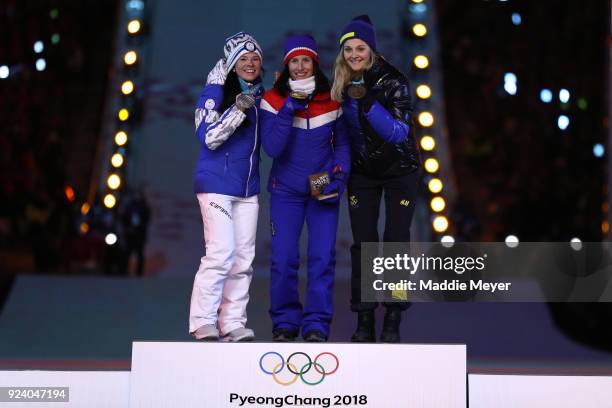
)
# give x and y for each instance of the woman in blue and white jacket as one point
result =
(226, 185)
(304, 133)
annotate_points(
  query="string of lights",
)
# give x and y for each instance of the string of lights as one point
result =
(424, 111)
(40, 62)
(125, 107)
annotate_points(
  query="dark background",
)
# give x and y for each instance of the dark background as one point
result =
(514, 171)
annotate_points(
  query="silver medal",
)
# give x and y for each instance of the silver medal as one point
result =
(244, 102)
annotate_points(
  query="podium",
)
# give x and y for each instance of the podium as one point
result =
(223, 375)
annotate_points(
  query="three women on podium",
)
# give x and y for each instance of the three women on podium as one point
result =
(358, 132)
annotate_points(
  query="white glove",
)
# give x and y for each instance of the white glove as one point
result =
(218, 74)
(244, 102)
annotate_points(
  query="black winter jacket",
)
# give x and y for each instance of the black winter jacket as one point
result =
(371, 155)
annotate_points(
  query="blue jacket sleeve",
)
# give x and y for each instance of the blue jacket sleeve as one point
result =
(342, 149)
(276, 130)
(392, 126)
(213, 130)
(207, 110)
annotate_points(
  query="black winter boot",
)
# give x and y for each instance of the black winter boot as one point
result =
(284, 335)
(365, 332)
(390, 332)
(315, 336)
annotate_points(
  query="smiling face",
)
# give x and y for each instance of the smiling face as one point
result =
(300, 67)
(248, 66)
(357, 54)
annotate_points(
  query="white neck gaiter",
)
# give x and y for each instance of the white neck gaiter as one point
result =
(306, 86)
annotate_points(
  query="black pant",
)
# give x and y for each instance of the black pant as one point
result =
(364, 202)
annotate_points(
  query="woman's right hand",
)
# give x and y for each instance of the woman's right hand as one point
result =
(369, 98)
(366, 98)
(218, 74)
(296, 104)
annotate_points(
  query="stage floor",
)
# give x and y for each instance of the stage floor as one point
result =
(65, 322)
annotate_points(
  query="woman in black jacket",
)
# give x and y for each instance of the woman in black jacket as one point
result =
(377, 106)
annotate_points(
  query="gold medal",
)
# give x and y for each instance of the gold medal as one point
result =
(299, 95)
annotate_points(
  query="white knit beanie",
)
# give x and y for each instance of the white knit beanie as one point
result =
(239, 44)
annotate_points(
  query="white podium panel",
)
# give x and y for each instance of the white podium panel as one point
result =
(86, 389)
(532, 391)
(225, 375)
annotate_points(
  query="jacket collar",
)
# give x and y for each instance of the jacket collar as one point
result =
(379, 70)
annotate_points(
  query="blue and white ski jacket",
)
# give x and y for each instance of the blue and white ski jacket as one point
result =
(229, 146)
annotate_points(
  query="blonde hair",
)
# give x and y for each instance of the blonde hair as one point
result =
(343, 74)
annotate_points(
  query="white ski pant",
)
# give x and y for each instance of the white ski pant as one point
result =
(221, 286)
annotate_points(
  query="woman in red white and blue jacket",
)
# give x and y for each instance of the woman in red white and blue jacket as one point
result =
(303, 132)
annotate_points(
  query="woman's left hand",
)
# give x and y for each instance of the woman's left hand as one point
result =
(244, 102)
(336, 186)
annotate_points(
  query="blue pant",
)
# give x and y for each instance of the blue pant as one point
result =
(287, 215)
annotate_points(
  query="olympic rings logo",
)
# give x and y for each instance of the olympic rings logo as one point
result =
(271, 367)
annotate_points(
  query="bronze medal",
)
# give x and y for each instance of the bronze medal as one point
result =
(356, 91)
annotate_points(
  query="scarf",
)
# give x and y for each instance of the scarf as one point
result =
(306, 86)
(250, 88)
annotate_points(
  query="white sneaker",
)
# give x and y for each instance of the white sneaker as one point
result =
(239, 334)
(208, 332)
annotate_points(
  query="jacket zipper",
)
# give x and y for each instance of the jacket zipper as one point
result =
(246, 193)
